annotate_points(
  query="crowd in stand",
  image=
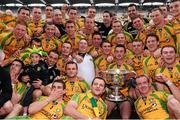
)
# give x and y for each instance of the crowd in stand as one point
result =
(53, 68)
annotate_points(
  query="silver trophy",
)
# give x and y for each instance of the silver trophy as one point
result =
(117, 80)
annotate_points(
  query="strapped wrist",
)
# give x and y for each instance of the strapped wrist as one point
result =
(169, 83)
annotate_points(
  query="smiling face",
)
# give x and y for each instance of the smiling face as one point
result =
(66, 49)
(164, 10)
(169, 55)
(20, 31)
(98, 87)
(175, 8)
(50, 30)
(16, 67)
(157, 17)
(106, 18)
(120, 39)
(82, 46)
(138, 23)
(23, 15)
(106, 48)
(71, 70)
(132, 11)
(52, 58)
(152, 43)
(143, 85)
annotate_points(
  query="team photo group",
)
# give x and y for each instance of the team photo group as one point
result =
(56, 63)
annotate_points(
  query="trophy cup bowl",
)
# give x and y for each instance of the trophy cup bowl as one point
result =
(117, 80)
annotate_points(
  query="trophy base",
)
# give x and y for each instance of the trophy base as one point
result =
(117, 98)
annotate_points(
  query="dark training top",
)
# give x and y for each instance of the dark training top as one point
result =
(5, 87)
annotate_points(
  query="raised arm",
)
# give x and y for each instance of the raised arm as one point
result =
(39, 105)
(175, 91)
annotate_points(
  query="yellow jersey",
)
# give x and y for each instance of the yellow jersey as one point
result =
(124, 66)
(138, 64)
(176, 26)
(92, 49)
(79, 23)
(172, 73)
(153, 106)
(79, 86)
(2, 26)
(129, 54)
(53, 110)
(51, 44)
(33, 27)
(10, 44)
(20, 88)
(61, 63)
(141, 35)
(8, 20)
(101, 63)
(89, 39)
(85, 106)
(166, 35)
(150, 64)
(112, 37)
(74, 42)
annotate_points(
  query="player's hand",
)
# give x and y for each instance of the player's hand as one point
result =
(38, 31)
(157, 53)
(55, 94)
(57, 32)
(110, 59)
(79, 59)
(146, 53)
(37, 83)
(161, 78)
(161, 62)
(69, 58)
(94, 54)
